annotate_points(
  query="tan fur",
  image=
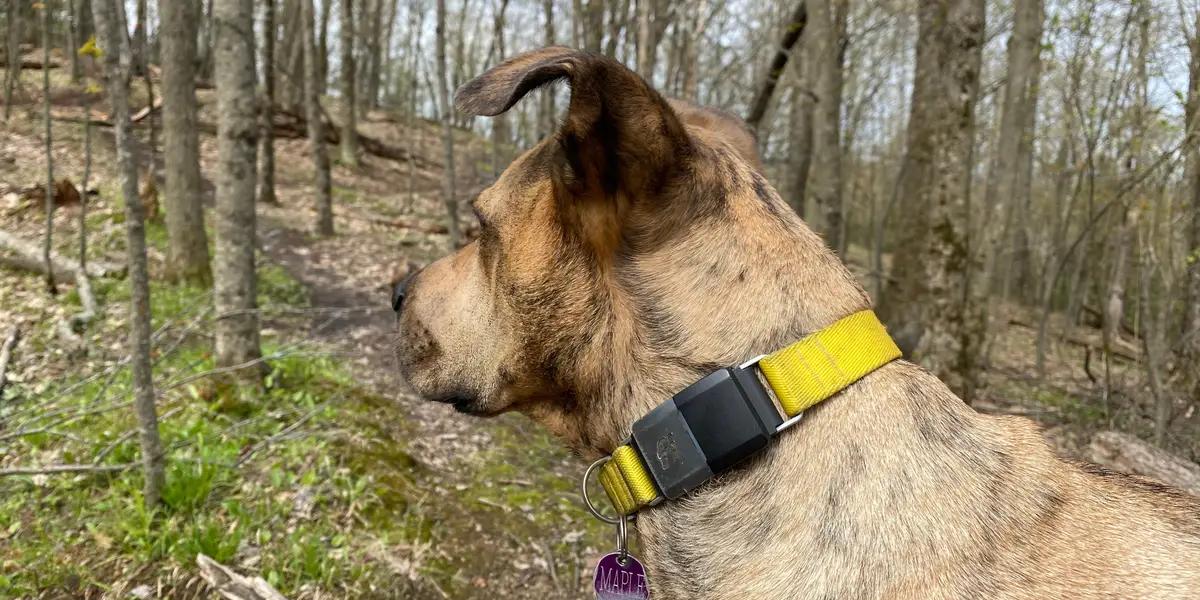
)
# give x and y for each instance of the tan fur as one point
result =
(640, 249)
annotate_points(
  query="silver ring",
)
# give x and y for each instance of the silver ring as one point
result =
(622, 542)
(588, 501)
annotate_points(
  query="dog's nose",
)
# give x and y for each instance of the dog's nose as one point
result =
(401, 290)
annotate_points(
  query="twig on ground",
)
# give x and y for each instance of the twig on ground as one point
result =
(232, 586)
(249, 452)
(58, 469)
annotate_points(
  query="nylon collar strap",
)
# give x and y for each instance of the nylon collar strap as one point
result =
(728, 415)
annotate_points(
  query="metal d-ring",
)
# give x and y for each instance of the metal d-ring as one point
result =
(588, 501)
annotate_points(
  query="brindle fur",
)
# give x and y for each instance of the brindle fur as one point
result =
(641, 248)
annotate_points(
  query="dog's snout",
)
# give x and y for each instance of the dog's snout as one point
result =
(401, 290)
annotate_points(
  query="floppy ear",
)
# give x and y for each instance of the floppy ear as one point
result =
(618, 132)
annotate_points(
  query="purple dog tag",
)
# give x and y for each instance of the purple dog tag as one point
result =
(616, 582)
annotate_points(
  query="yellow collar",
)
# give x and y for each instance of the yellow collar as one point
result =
(704, 429)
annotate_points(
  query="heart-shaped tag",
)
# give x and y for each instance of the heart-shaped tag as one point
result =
(616, 581)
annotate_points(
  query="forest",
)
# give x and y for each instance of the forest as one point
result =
(204, 206)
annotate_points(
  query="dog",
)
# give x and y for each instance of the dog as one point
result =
(639, 249)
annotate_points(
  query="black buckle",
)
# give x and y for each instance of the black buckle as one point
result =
(705, 429)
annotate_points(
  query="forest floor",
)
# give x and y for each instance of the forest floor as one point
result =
(334, 481)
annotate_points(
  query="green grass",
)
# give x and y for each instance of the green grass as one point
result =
(66, 533)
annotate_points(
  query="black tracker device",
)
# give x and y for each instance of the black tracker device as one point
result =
(706, 428)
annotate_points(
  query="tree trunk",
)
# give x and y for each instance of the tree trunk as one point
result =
(954, 33)
(383, 69)
(187, 242)
(548, 120)
(645, 38)
(72, 49)
(12, 73)
(828, 23)
(349, 139)
(445, 109)
(416, 24)
(1114, 291)
(316, 130)
(323, 56)
(140, 33)
(266, 177)
(591, 24)
(83, 195)
(205, 51)
(1191, 321)
(49, 233)
(791, 34)
(234, 281)
(116, 70)
(800, 126)
(374, 56)
(1006, 188)
(500, 131)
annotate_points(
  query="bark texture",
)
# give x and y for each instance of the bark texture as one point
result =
(187, 242)
(116, 70)
(954, 31)
(266, 177)
(316, 128)
(448, 191)
(234, 280)
(1191, 335)
(349, 146)
(828, 26)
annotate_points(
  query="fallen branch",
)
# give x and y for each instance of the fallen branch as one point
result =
(17, 253)
(232, 586)
(32, 64)
(59, 469)
(1128, 454)
(10, 342)
(1121, 347)
(146, 111)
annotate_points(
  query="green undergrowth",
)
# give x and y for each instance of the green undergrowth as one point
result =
(294, 480)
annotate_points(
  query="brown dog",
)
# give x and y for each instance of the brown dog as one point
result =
(640, 249)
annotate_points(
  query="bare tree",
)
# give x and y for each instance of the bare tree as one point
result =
(950, 42)
(447, 130)
(316, 127)
(141, 58)
(266, 176)
(547, 125)
(500, 131)
(71, 29)
(49, 234)
(1006, 188)
(234, 280)
(349, 101)
(791, 34)
(828, 23)
(116, 72)
(12, 72)
(800, 129)
(1191, 329)
(323, 41)
(187, 242)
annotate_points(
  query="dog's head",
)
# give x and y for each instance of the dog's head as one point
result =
(633, 251)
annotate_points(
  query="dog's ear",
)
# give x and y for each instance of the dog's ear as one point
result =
(618, 132)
